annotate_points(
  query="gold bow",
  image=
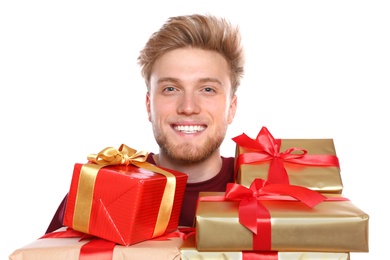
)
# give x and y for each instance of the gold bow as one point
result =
(123, 156)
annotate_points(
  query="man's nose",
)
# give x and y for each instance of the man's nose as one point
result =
(189, 104)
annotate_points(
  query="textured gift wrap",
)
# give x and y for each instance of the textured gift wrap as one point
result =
(334, 225)
(69, 248)
(310, 163)
(189, 252)
(126, 203)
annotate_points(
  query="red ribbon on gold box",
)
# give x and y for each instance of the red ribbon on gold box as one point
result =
(311, 163)
(67, 244)
(274, 217)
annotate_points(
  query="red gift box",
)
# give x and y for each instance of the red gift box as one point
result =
(126, 203)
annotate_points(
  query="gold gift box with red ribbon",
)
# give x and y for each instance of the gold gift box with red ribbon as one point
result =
(311, 163)
(279, 217)
(69, 245)
(120, 197)
(189, 252)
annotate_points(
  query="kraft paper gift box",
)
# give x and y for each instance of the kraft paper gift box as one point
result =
(245, 219)
(121, 198)
(311, 163)
(74, 248)
(189, 252)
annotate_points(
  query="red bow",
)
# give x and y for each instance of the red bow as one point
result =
(255, 216)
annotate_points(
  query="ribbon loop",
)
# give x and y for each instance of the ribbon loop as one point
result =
(122, 156)
(255, 216)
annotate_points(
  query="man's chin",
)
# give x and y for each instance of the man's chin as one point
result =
(189, 155)
(190, 152)
(188, 159)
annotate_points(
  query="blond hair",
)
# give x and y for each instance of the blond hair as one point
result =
(205, 32)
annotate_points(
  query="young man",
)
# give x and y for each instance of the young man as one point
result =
(192, 68)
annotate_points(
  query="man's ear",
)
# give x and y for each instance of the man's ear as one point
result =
(147, 104)
(232, 109)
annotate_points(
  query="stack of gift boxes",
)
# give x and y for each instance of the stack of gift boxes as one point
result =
(287, 203)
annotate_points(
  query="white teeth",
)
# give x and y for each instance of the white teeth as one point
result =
(189, 128)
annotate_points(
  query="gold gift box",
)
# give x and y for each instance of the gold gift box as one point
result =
(69, 248)
(189, 252)
(324, 179)
(331, 226)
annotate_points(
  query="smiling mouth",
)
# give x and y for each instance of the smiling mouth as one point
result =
(189, 129)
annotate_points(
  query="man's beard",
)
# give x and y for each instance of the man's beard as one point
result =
(187, 154)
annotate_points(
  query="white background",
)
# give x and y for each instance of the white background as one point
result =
(71, 86)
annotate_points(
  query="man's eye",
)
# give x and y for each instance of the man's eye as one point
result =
(169, 89)
(209, 89)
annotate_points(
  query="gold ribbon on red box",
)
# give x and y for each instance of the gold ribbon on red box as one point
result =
(122, 156)
(266, 148)
(254, 215)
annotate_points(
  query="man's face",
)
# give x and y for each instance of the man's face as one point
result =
(190, 104)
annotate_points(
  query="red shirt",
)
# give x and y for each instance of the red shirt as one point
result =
(217, 183)
(187, 215)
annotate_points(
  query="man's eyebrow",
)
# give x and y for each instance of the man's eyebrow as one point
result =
(168, 79)
(176, 80)
(214, 80)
